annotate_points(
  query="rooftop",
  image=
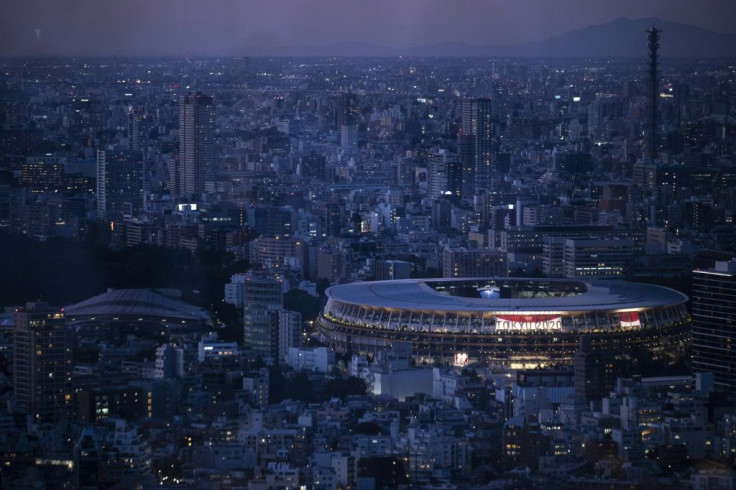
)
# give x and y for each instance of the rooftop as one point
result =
(528, 294)
(137, 302)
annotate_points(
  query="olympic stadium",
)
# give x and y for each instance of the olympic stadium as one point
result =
(509, 322)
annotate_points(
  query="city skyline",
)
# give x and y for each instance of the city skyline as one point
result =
(233, 28)
(441, 267)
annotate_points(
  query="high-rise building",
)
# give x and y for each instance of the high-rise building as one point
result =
(349, 138)
(42, 174)
(483, 139)
(598, 258)
(278, 253)
(466, 156)
(290, 332)
(263, 298)
(464, 262)
(261, 333)
(101, 185)
(136, 130)
(595, 369)
(42, 362)
(346, 110)
(652, 138)
(313, 165)
(444, 177)
(263, 291)
(347, 114)
(331, 264)
(714, 323)
(119, 183)
(196, 162)
(234, 290)
(87, 457)
(385, 270)
(475, 146)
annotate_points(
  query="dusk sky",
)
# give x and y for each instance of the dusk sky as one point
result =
(242, 27)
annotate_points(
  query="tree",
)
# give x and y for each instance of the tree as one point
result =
(368, 428)
(300, 387)
(302, 302)
(343, 387)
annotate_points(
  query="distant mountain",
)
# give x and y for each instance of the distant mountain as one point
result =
(627, 37)
(620, 37)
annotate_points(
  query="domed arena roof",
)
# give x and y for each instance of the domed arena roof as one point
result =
(137, 302)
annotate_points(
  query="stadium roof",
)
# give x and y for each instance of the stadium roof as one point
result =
(137, 302)
(418, 295)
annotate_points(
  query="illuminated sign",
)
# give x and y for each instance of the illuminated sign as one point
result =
(522, 323)
(629, 319)
(461, 359)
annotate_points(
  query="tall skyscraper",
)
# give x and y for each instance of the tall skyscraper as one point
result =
(653, 44)
(346, 110)
(42, 362)
(196, 145)
(714, 323)
(475, 146)
(101, 185)
(137, 130)
(483, 140)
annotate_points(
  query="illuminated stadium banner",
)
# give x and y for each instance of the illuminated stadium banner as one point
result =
(461, 359)
(629, 319)
(522, 323)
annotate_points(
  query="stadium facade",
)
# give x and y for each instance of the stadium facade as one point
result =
(510, 322)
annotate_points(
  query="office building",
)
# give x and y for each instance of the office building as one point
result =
(595, 369)
(263, 298)
(391, 269)
(234, 290)
(42, 174)
(473, 262)
(119, 183)
(274, 253)
(290, 332)
(211, 348)
(444, 176)
(42, 362)
(596, 258)
(714, 323)
(331, 264)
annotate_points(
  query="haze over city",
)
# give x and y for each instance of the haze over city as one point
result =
(244, 27)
